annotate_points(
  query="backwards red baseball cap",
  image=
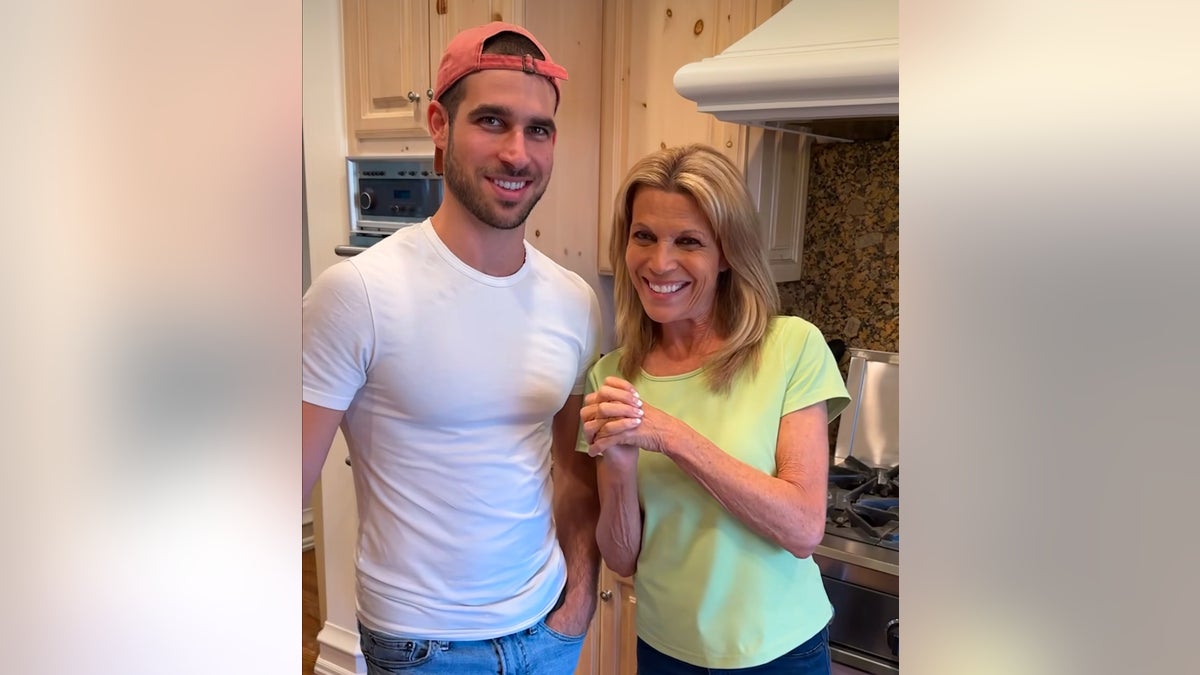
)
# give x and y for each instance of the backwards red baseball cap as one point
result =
(464, 55)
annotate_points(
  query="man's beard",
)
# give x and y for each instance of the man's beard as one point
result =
(468, 192)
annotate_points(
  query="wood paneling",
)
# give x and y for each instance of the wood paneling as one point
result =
(312, 612)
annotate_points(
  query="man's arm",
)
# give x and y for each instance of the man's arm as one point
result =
(318, 428)
(576, 509)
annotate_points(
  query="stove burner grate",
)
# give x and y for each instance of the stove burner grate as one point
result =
(866, 501)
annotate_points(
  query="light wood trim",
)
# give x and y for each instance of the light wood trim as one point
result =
(563, 224)
(614, 131)
(735, 22)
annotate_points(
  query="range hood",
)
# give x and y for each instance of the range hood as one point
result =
(812, 60)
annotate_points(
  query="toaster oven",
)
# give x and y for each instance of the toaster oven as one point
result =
(387, 194)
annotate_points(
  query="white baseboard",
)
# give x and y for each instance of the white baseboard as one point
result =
(339, 652)
(324, 668)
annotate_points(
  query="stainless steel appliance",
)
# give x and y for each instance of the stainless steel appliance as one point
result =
(859, 556)
(386, 194)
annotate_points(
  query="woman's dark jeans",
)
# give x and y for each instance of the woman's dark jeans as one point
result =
(810, 658)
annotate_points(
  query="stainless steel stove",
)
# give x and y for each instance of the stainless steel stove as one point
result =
(859, 556)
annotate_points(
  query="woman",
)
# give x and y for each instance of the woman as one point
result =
(710, 428)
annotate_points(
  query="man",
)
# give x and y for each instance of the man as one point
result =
(452, 355)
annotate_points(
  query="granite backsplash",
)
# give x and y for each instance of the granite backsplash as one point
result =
(849, 285)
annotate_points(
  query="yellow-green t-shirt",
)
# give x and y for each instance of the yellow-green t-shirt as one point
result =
(710, 591)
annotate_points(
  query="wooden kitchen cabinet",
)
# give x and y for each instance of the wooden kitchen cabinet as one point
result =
(393, 47)
(644, 44)
(776, 170)
(616, 641)
(391, 53)
(611, 644)
(589, 656)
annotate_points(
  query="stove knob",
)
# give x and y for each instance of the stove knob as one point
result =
(366, 199)
(893, 636)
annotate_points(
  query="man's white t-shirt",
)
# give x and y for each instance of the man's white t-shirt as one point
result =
(450, 379)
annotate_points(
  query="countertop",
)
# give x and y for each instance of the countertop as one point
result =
(860, 554)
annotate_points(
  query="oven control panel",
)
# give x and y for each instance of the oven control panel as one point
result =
(389, 193)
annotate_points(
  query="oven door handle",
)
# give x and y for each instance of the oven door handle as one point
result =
(347, 251)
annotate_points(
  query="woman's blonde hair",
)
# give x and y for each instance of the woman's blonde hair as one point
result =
(746, 296)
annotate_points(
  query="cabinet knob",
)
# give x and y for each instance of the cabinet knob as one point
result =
(414, 96)
(606, 595)
(429, 94)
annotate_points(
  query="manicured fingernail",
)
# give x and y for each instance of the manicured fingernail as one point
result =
(640, 413)
(637, 420)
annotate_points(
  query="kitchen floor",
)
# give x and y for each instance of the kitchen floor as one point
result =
(312, 611)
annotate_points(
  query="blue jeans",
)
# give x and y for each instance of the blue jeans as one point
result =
(537, 650)
(810, 658)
